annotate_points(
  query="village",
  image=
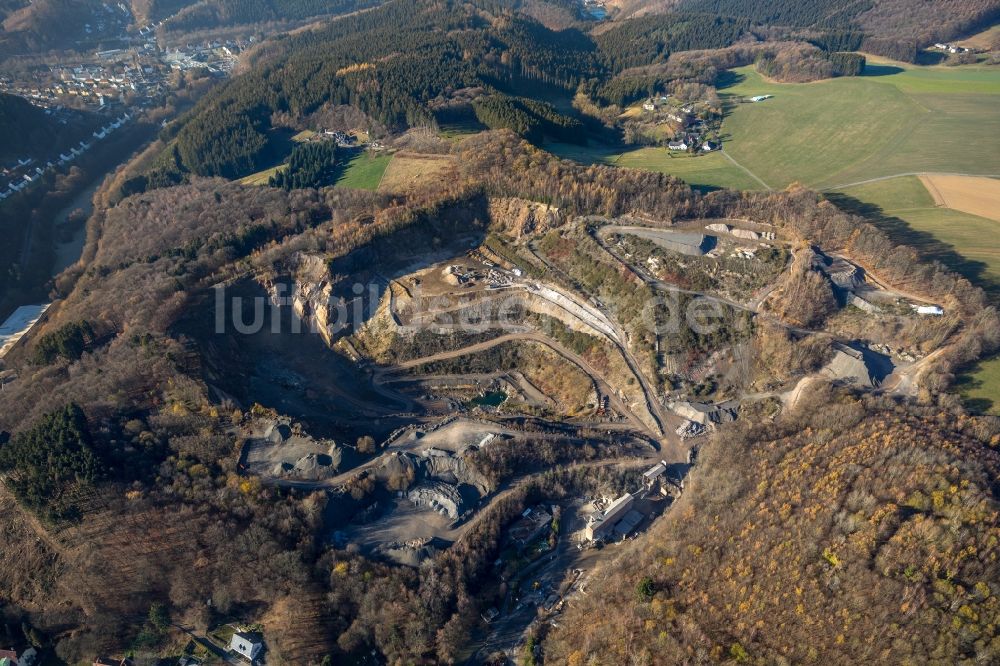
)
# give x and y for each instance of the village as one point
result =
(97, 95)
(689, 127)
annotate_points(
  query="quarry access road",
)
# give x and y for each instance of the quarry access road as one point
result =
(619, 339)
(753, 307)
(595, 376)
(407, 445)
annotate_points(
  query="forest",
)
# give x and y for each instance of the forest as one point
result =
(29, 132)
(45, 462)
(203, 14)
(528, 118)
(651, 40)
(404, 62)
(867, 532)
(310, 165)
(818, 13)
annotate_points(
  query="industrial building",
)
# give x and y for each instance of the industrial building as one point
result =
(534, 521)
(652, 475)
(603, 525)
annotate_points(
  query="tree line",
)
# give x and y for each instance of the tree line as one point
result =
(310, 165)
(528, 118)
(651, 39)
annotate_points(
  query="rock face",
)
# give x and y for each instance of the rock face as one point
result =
(279, 450)
(452, 469)
(310, 293)
(849, 365)
(520, 216)
(441, 497)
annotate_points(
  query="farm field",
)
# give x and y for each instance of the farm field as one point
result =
(967, 243)
(895, 120)
(364, 171)
(976, 196)
(704, 172)
(407, 170)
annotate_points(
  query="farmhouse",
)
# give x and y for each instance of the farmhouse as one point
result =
(247, 645)
(678, 145)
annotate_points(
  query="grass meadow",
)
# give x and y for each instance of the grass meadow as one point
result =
(896, 120)
(364, 170)
(703, 172)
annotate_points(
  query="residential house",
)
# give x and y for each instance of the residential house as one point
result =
(709, 146)
(678, 145)
(247, 645)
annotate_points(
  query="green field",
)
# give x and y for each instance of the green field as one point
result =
(364, 171)
(704, 172)
(966, 243)
(261, 177)
(896, 120)
(969, 244)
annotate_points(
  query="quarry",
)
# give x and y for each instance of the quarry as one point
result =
(499, 342)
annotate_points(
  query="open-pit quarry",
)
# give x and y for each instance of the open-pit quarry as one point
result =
(420, 400)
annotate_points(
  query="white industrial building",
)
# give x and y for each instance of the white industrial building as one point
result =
(603, 525)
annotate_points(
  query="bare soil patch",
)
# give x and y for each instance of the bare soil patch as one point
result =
(409, 171)
(969, 194)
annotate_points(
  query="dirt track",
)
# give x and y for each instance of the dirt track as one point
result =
(570, 356)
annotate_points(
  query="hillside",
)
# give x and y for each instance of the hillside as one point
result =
(128, 432)
(888, 27)
(54, 24)
(28, 130)
(850, 531)
(208, 14)
(406, 343)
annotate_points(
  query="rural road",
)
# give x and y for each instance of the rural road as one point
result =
(748, 171)
(909, 173)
